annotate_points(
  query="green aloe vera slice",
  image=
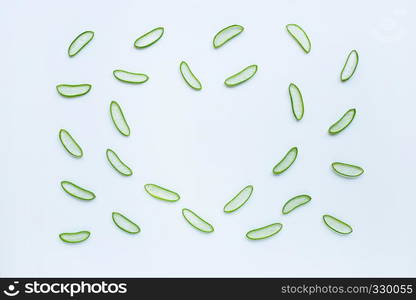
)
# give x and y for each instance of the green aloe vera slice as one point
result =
(295, 202)
(226, 34)
(73, 90)
(286, 161)
(264, 232)
(189, 77)
(118, 119)
(149, 38)
(161, 193)
(197, 222)
(239, 200)
(297, 101)
(342, 123)
(125, 223)
(300, 36)
(350, 65)
(74, 237)
(242, 76)
(347, 170)
(77, 191)
(69, 143)
(117, 163)
(130, 77)
(336, 225)
(80, 42)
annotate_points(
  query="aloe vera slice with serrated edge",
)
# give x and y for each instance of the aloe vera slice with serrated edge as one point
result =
(300, 36)
(297, 101)
(342, 123)
(73, 90)
(242, 76)
(350, 66)
(286, 161)
(149, 38)
(77, 191)
(130, 77)
(69, 143)
(74, 237)
(125, 223)
(118, 119)
(295, 202)
(347, 170)
(80, 42)
(117, 163)
(336, 225)
(239, 200)
(226, 34)
(189, 77)
(161, 193)
(197, 222)
(264, 232)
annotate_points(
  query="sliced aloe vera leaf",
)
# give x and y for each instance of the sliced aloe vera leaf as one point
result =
(297, 101)
(286, 161)
(73, 90)
(241, 76)
(343, 122)
(149, 38)
(130, 77)
(117, 163)
(125, 223)
(264, 232)
(295, 202)
(336, 225)
(350, 65)
(77, 191)
(347, 170)
(118, 119)
(300, 36)
(239, 200)
(197, 222)
(226, 34)
(161, 193)
(69, 143)
(80, 42)
(74, 237)
(189, 77)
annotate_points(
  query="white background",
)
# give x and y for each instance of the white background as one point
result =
(208, 145)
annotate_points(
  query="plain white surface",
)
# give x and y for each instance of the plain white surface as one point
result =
(208, 145)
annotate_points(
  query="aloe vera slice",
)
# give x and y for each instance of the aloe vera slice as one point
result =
(77, 191)
(350, 65)
(69, 143)
(239, 200)
(342, 123)
(118, 119)
(295, 202)
(149, 38)
(242, 76)
(286, 161)
(80, 42)
(226, 34)
(336, 225)
(74, 237)
(125, 223)
(161, 193)
(73, 90)
(130, 77)
(189, 77)
(300, 36)
(297, 101)
(197, 222)
(264, 232)
(117, 163)
(347, 170)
